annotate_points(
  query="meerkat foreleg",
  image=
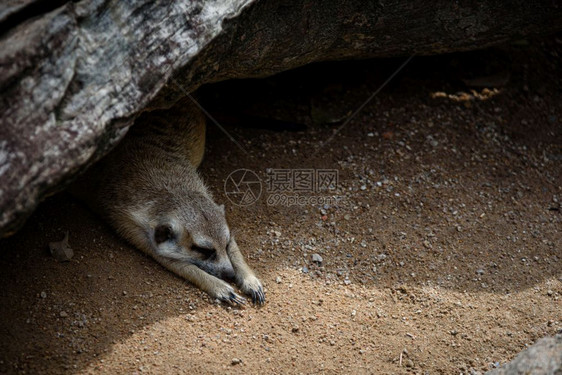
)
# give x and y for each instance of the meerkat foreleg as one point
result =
(210, 284)
(244, 276)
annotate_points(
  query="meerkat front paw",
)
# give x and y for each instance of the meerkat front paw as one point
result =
(225, 293)
(252, 286)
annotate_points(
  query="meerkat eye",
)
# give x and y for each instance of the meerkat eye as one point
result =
(163, 233)
(208, 254)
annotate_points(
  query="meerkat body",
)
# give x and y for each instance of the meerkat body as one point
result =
(149, 190)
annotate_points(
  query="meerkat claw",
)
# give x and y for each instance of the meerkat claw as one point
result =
(258, 297)
(252, 286)
(239, 300)
(235, 299)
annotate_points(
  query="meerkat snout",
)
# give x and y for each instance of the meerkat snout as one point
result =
(208, 255)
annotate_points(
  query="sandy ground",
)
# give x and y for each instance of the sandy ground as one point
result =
(441, 245)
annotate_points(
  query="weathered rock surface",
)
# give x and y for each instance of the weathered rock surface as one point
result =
(74, 75)
(542, 358)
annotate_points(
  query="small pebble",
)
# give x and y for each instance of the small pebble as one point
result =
(60, 250)
(63, 314)
(316, 258)
(236, 361)
(278, 280)
(43, 295)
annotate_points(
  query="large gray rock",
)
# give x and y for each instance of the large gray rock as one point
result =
(74, 75)
(542, 358)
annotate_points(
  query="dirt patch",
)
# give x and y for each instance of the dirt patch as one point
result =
(441, 244)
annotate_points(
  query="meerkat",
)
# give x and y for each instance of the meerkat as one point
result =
(150, 192)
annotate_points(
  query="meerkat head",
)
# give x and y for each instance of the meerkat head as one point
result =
(193, 228)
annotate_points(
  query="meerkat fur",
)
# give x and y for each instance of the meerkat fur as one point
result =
(149, 190)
